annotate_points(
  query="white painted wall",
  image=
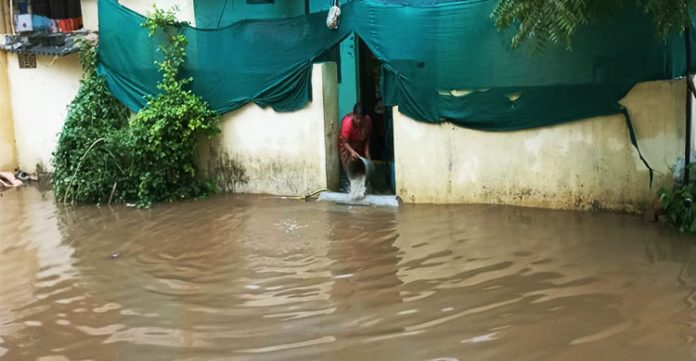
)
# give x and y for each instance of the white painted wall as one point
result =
(693, 129)
(587, 164)
(279, 153)
(8, 154)
(90, 14)
(39, 105)
(186, 11)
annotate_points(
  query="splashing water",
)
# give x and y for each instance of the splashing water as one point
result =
(357, 188)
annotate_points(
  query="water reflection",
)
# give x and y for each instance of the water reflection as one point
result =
(250, 278)
(36, 269)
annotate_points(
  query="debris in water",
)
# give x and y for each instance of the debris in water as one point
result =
(115, 255)
(7, 179)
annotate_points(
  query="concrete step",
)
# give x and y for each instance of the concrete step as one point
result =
(369, 200)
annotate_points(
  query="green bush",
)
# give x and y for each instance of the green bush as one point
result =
(165, 131)
(101, 157)
(87, 161)
(679, 205)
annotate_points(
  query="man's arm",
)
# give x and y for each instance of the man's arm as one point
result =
(353, 153)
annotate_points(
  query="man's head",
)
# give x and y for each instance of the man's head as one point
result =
(358, 114)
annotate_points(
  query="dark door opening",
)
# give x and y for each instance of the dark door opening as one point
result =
(382, 141)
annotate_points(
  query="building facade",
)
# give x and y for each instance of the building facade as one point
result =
(586, 164)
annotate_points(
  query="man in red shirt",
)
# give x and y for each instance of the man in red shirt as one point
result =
(354, 140)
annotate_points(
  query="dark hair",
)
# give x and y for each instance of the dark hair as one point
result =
(358, 109)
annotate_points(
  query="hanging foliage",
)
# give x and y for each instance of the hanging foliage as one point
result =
(88, 159)
(165, 131)
(102, 157)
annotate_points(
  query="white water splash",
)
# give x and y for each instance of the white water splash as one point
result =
(357, 188)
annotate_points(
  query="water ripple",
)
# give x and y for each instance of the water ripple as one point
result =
(250, 278)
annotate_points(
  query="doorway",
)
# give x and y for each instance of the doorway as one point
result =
(382, 139)
(360, 81)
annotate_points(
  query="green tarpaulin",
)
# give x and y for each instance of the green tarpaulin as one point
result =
(443, 61)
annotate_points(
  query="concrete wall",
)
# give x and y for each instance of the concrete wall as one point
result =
(693, 131)
(8, 154)
(588, 164)
(39, 105)
(185, 13)
(90, 16)
(261, 151)
(331, 124)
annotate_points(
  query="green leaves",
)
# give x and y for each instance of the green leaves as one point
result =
(669, 16)
(557, 21)
(161, 19)
(166, 129)
(680, 205)
(147, 160)
(85, 170)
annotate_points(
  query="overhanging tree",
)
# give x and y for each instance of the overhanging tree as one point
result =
(557, 21)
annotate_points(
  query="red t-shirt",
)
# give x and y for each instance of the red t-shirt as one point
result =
(356, 137)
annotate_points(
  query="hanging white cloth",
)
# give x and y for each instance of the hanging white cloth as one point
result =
(332, 18)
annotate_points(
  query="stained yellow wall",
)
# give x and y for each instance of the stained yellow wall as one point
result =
(40, 98)
(185, 13)
(587, 164)
(261, 151)
(8, 154)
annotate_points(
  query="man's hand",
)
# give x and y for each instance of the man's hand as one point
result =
(354, 155)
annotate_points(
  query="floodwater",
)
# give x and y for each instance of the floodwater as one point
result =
(253, 278)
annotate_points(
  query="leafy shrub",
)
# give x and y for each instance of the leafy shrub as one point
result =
(679, 205)
(102, 157)
(165, 131)
(87, 161)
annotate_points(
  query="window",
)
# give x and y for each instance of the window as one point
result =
(41, 27)
(46, 15)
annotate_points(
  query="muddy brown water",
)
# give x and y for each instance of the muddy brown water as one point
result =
(250, 278)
